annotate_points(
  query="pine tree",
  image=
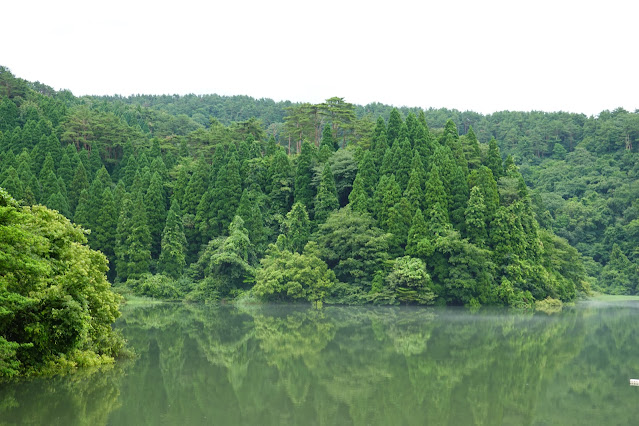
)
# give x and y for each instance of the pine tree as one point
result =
(434, 192)
(65, 171)
(304, 192)
(196, 188)
(394, 125)
(12, 183)
(250, 209)
(179, 188)
(155, 202)
(476, 218)
(280, 188)
(81, 214)
(483, 178)
(298, 228)
(79, 183)
(58, 202)
(379, 150)
(390, 197)
(327, 139)
(387, 167)
(226, 195)
(414, 192)
(172, 259)
(402, 160)
(417, 244)
(458, 198)
(133, 240)
(49, 184)
(326, 200)
(493, 160)
(472, 150)
(399, 222)
(103, 230)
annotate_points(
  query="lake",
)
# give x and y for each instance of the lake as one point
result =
(294, 365)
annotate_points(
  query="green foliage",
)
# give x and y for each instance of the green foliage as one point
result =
(287, 276)
(56, 306)
(409, 282)
(326, 200)
(172, 259)
(298, 228)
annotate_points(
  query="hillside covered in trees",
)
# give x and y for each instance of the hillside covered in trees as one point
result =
(207, 197)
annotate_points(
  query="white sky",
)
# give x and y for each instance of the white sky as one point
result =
(485, 56)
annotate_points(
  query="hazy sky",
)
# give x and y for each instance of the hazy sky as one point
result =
(486, 56)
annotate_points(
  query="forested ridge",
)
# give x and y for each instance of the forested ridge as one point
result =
(208, 197)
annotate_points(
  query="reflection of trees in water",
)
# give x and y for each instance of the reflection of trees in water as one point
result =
(84, 398)
(373, 365)
(292, 365)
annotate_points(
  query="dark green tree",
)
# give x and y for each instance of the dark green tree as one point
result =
(326, 199)
(172, 260)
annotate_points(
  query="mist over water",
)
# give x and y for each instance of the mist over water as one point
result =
(274, 365)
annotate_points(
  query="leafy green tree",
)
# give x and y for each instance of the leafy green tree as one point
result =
(224, 262)
(484, 180)
(326, 200)
(353, 247)
(172, 260)
(57, 306)
(286, 275)
(409, 282)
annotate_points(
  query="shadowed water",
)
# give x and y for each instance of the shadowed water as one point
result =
(278, 365)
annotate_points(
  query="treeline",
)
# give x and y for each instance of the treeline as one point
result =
(386, 213)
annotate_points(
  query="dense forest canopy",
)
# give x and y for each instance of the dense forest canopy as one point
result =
(208, 197)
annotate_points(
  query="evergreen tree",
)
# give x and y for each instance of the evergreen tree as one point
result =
(105, 225)
(196, 188)
(327, 139)
(359, 199)
(379, 150)
(394, 125)
(179, 188)
(133, 240)
(172, 259)
(79, 183)
(390, 197)
(414, 192)
(155, 202)
(280, 188)
(250, 210)
(434, 192)
(326, 200)
(493, 160)
(81, 214)
(399, 222)
(471, 149)
(12, 183)
(65, 171)
(402, 161)
(298, 228)
(304, 192)
(476, 218)
(226, 195)
(483, 178)
(417, 244)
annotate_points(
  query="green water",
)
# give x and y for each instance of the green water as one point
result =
(280, 365)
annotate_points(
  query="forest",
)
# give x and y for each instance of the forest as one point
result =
(205, 198)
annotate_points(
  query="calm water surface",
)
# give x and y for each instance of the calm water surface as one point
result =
(279, 365)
